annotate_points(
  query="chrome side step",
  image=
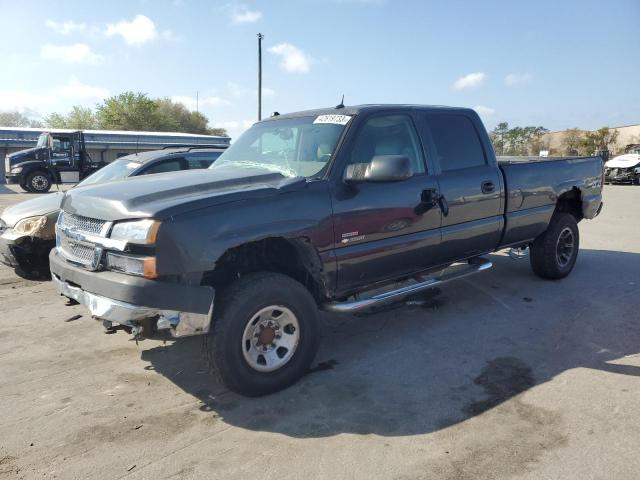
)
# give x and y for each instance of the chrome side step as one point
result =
(474, 265)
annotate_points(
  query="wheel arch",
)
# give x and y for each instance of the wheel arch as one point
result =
(570, 201)
(294, 257)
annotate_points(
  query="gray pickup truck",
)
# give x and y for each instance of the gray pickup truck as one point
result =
(340, 209)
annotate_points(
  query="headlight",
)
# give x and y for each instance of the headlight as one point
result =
(133, 265)
(138, 231)
(16, 170)
(31, 226)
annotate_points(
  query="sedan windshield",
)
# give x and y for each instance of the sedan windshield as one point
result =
(116, 170)
(294, 147)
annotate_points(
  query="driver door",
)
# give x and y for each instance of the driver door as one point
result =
(382, 230)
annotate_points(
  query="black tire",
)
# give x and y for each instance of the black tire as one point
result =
(38, 182)
(550, 254)
(236, 307)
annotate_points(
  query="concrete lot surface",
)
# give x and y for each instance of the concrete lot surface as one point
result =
(502, 375)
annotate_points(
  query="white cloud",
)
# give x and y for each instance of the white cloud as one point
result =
(244, 15)
(76, 89)
(170, 36)
(137, 32)
(65, 28)
(23, 101)
(76, 53)
(515, 79)
(482, 110)
(292, 58)
(240, 91)
(235, 127)
(472, 80)
(192, 103)
(58, 98)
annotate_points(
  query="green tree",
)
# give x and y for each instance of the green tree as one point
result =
(602, 139)
(80, 118)
(572, 142)
(179, 118)
(517, 140)
(498, 135)
(128, 111)
(17, 119)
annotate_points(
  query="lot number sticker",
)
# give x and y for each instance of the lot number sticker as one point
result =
(335, 119)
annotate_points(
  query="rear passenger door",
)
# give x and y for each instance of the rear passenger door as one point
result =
(469, 183)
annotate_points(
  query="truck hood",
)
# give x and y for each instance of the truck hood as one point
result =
(20, 156)
(166, 194)
(31, 208)
(624, 161)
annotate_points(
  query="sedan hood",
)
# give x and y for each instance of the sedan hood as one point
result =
(31, 208)
(624, 161)
(166, 194)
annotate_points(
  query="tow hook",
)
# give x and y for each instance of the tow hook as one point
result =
(110, 327)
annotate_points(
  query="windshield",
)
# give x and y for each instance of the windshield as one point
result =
(43, 140)
(294, 147)
(116, 170)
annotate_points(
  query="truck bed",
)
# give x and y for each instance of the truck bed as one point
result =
(534, 185)
(532, 159)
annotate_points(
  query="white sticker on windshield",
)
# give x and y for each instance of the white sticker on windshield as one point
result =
(132, 165)
(335, 119)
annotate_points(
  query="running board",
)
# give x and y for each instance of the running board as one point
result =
(475, 265)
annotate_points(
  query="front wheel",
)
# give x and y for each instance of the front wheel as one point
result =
(553, 253)
(38, 182)
(264, 333)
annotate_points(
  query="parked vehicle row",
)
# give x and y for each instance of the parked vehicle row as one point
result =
(624, 169)
(339, 209)
(27, 230)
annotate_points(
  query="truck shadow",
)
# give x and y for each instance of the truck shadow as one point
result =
(4, 190)
(440, 361)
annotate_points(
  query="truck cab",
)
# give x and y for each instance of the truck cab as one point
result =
(57, 158)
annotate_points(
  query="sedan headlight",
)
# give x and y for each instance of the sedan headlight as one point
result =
(138, 231)
(31, 226)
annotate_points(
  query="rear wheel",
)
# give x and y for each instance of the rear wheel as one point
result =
(264, 333)
(553, 254)
(38, 182)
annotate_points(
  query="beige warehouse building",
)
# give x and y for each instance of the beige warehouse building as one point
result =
(628, 134)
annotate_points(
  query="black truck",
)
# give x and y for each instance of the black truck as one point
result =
(341, 209)
(59, 157)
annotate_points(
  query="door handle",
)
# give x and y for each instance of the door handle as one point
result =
(429, 198)
(487, 187)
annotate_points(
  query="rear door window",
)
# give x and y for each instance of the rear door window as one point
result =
(202, 160)
(172, 165)
(454, 141)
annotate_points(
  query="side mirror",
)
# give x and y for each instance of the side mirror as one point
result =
(381, 168)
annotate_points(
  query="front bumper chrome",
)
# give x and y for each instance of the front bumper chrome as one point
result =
(180, 324)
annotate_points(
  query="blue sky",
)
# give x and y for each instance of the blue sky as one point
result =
(556, 63)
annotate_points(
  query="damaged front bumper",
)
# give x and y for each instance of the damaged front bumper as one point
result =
(183, 310)
(24, 252)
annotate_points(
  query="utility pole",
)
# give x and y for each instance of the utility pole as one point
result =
(197, 102)
(260, 37)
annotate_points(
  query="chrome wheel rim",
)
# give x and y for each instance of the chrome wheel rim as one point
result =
(39, 182)
(565, 247)
(270, 338)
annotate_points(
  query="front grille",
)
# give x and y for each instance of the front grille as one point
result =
(80, 223)
(76, 252)
(72, 241)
